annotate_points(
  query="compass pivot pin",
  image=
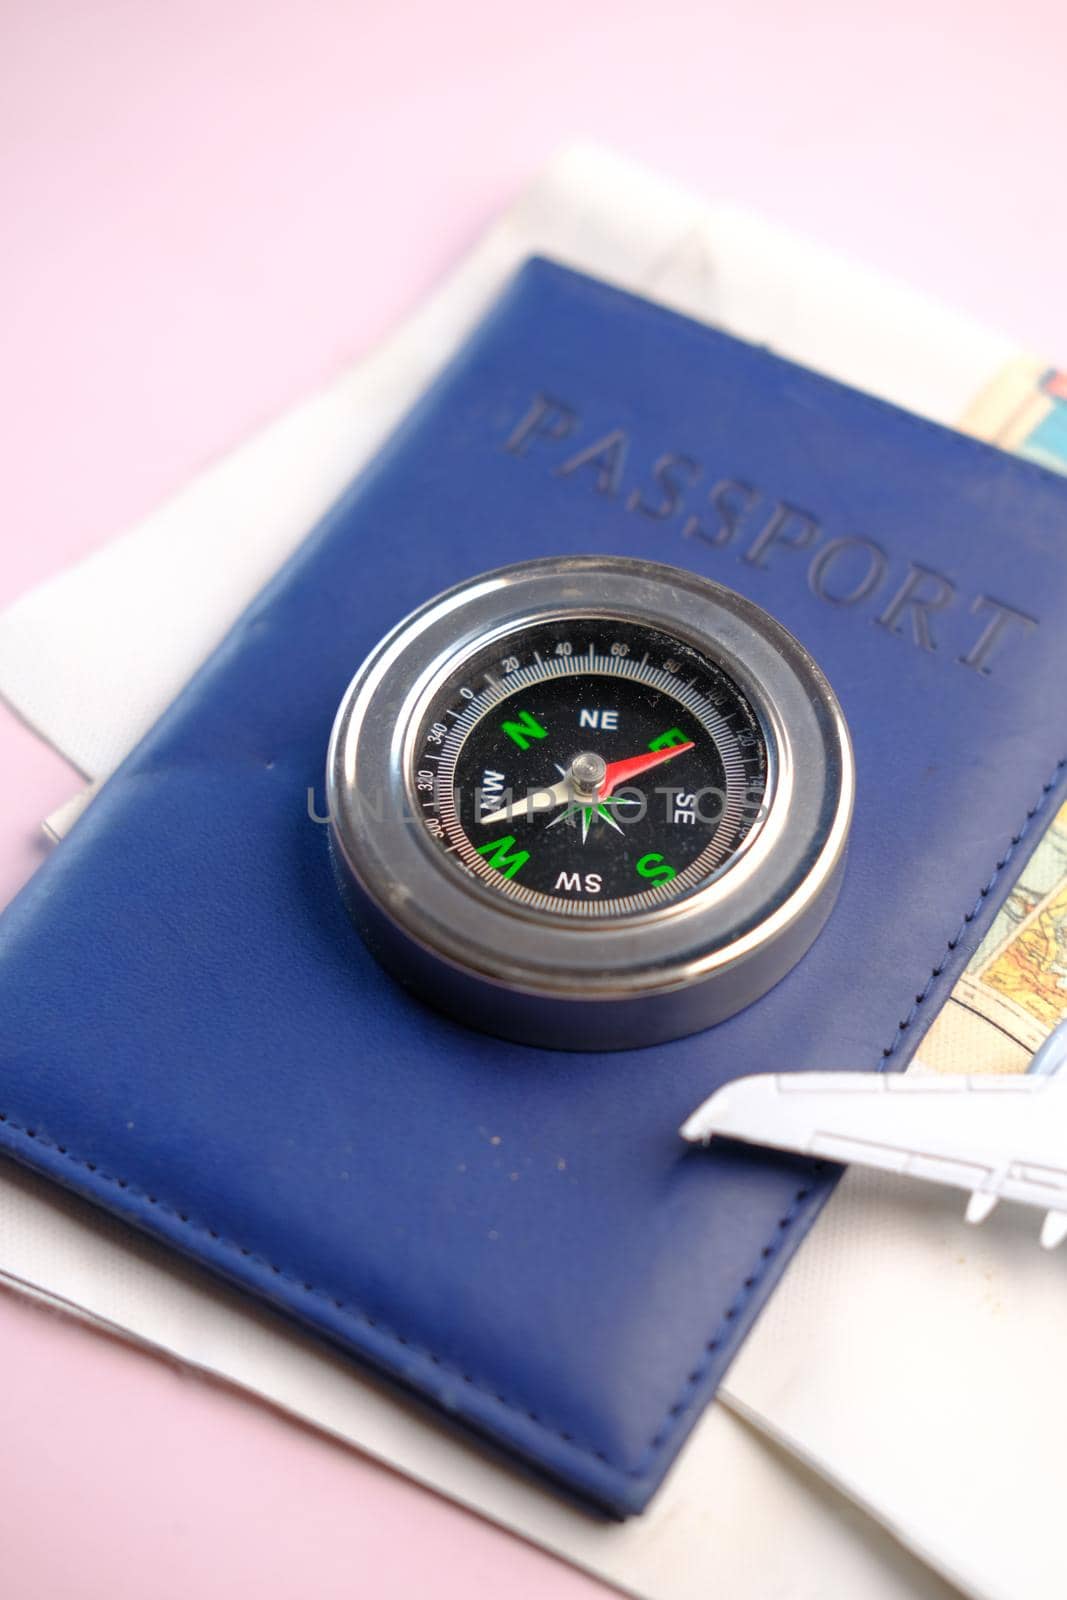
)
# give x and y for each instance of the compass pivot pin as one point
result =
(587, 773)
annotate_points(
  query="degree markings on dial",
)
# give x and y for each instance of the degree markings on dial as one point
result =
(703, 708)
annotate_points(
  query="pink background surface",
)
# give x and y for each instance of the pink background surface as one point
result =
(208, 209)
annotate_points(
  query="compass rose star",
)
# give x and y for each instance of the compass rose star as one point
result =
(590, 811)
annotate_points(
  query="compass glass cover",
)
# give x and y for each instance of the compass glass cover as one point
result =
(590, 767)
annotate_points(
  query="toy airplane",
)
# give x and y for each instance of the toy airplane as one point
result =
(1000, 1137)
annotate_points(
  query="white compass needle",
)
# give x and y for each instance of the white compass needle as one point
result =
(537, 800)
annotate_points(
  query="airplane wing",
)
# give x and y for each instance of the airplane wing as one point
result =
(998, 1137)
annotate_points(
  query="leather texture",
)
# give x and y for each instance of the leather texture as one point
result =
(194, 1036)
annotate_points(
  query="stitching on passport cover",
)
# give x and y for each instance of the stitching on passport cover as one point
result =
(958, 441)
(785, 1222)
(351, 1312)
(770, 1249)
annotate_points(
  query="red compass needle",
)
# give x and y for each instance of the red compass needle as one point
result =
(621, 771)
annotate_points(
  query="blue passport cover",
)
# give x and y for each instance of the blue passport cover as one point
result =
(194, 1036)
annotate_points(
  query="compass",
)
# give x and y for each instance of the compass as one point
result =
(589, 802)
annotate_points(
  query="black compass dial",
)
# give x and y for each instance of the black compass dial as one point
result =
(591, 767)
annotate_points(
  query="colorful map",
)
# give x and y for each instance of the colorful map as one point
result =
(1031, 969)
(1025, 411)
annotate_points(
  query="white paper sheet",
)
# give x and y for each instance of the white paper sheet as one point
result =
(919, 1361)
(736, 1518)
(93, 657)
(66, 653)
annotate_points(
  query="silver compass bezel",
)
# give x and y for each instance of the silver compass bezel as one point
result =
(587, 983)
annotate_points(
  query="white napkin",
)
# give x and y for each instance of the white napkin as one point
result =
(91, 659)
